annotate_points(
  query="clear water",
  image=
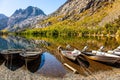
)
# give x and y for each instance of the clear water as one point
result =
(50, 63)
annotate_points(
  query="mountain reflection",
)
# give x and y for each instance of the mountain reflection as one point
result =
(45, 63)
(12, 42)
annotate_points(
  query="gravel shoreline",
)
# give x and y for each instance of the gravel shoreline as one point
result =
(21, 74)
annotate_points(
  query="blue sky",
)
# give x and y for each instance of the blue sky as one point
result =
(8, 7)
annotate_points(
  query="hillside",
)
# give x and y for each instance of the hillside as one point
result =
(82, 17)
(81, 10)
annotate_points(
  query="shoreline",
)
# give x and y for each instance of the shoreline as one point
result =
(20, 74)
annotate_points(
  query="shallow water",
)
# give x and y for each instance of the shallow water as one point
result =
(50, 63)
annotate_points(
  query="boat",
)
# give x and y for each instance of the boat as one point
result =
(13, 65)
(74, 55)
(102, 56)
(115, 51)
(70, 54)
(2, 59)
(11, 53)
(34, 65)
(31, 54)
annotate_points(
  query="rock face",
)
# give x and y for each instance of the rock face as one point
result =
(24, 17)
(73, 8)
(27, 23)
(3, 21)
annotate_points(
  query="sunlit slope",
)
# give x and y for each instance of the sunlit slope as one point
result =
(93, 19)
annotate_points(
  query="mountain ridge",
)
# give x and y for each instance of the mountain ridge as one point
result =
(3, 21)
(21, 15)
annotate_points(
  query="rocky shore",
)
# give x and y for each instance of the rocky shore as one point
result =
(22, 74)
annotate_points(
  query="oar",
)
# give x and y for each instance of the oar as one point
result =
(85, 66)
(82, 61)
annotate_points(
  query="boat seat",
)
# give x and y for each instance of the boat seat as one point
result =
(76, 52)
(94, 52)
(97, 52)
(110, 51)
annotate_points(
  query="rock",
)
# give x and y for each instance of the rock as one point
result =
(3, 21)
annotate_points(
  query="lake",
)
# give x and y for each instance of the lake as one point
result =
(50, 63)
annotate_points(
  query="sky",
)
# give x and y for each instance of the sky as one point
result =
(8, 7)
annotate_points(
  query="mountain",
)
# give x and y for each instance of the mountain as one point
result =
(3, 21)
(80, 14)
(24, 16)
(80, 10)
(27, 23)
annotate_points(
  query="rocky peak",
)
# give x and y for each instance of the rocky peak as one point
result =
(29, 12)
(22, 14)
(3, 21)
(19, 11)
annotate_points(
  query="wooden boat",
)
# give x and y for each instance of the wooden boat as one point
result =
(14, 64)
(102, 57)
(115, 51)
(70, 54)
(34, 65)
(2, 59)
(11, 53)
(30, 54)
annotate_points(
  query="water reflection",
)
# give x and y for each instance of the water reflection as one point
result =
(52, 65)
(44, 64)
(11, 42)
(83, 61)
(15, 42)
(92, 67)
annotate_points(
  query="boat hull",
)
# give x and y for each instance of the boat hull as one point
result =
(103, 58)
(30, 55)
(30, 58)
(11, 54)
(117, 53)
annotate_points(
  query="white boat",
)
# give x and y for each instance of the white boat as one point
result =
(115, 51)
(102, 56)
(71, 54)
(74, 55)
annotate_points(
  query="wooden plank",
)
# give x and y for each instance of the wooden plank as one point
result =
(70, 67)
